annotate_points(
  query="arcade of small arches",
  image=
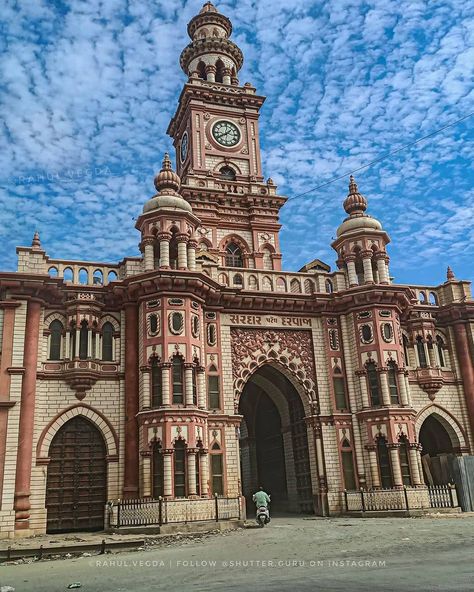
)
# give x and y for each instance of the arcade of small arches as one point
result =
(365, 266)
(426, 351)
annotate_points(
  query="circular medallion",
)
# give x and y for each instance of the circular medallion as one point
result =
(226, 133)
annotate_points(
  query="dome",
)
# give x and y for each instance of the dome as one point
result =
(167, 183)
(356, 223)
(355, 205)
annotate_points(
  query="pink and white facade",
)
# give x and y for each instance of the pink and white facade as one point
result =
(201, 367)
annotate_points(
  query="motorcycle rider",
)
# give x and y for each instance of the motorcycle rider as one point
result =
(262, 499)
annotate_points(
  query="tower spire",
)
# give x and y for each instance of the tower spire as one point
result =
(355, 203)
(36, 243)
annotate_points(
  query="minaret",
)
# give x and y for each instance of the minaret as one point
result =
(361, 243)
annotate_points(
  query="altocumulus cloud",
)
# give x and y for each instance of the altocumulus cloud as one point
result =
(87, 89)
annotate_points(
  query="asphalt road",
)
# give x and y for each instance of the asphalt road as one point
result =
(291, 554)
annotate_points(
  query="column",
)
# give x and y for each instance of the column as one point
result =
(164, 239)
(130, 478)
(374, 466)
(146, 398)
(395, 463)
(318, 444)
(167, 473)
(192, 246)
(191, 470)
(165, 383)
(402, 387)
(204, 474)
(188, 383)
(433, 358)
(182, 251)
(89, 343)
(413, 454)
(201, 387)
(466, 367)
(226, 78)
(384, 387)
(367, 264)
(27, 417)
(363, 389)
(382, 269)
(98, 353)
(148, 253)
(351, 270)
(78, 340)
(67, 350)
(211, 73)
(146, 474)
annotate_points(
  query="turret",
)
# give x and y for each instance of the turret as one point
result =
(361, 243)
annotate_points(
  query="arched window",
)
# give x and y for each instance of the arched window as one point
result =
(339, 390)
(433, 299)
(238, 281)
(53, 272)
(56, 329)
(281, 285)
(404, 460)
(374, 386)
(220, 71)
(227, 173)
(180, 469)
(83, 277)
(201, 70)
(177, 370)
(173, 251)
(384, 463)
(112, 277)
(308, 287)
(213, 389)
(217, 471)
(108, 342)
(98, 278)
(233, 256)
(420, 348)
(392, 383)
(422, 297)
(156, 383)
(267, 259)
(348, 465)
(440, 348)
(405, 349)
(295, 286)
(83, 340)
(68, 275)
(329, 287)
(157, 471)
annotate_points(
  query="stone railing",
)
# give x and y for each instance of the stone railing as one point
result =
(406, 498)
(83, 273)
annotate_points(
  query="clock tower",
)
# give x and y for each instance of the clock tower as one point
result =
(216, 138)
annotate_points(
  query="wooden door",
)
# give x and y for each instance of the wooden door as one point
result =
(76, 487)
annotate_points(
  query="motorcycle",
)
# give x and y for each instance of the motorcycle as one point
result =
(263, 516)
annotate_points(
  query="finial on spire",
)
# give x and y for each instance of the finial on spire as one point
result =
(355, 203)
(450, 274)
(208, 7)
(167, 178)
(36, 243)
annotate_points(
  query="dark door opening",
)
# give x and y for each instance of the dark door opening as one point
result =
(76, 485)
(437, 448)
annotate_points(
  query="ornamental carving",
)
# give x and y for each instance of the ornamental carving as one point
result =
(291, 349)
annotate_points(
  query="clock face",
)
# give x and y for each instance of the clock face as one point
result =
(184, 146)
(226, 133)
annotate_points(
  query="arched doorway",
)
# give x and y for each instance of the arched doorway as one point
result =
(76, 486)
(273, 442)
(437, 448)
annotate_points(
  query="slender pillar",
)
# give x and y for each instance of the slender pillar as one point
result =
(382, 269)
(413, 454)
(130, 478)
(402, 387)
(188, 384)
(165, 383)
(367, 264)
(321, 466)
(226, 78)
(466, 366)
(364, 390)
(191, 458)
(146, 475)
(78, 340)
(351, 270)
(98, 353)
(67, 351)
(204, 466)
(164, 238)
(201, 387)
(148, 253)
(167, 473)
(395, 463)
(192, 246)
(182, 251)
(89, 343)
(384, 388)
(27, 417)
(146, 398)
(374, 467)
(211, 73)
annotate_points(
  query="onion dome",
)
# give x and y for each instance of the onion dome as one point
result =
(355, 205)
(167, 183)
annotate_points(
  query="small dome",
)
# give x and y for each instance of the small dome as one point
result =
(167, 183)
(354, 203)
(356, 223)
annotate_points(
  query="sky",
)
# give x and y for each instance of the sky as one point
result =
(87, 88)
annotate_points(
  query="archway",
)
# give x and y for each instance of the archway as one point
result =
(274, 444)
(437, 446)
(76, 486)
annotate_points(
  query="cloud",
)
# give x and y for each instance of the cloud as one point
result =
(88, 90)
